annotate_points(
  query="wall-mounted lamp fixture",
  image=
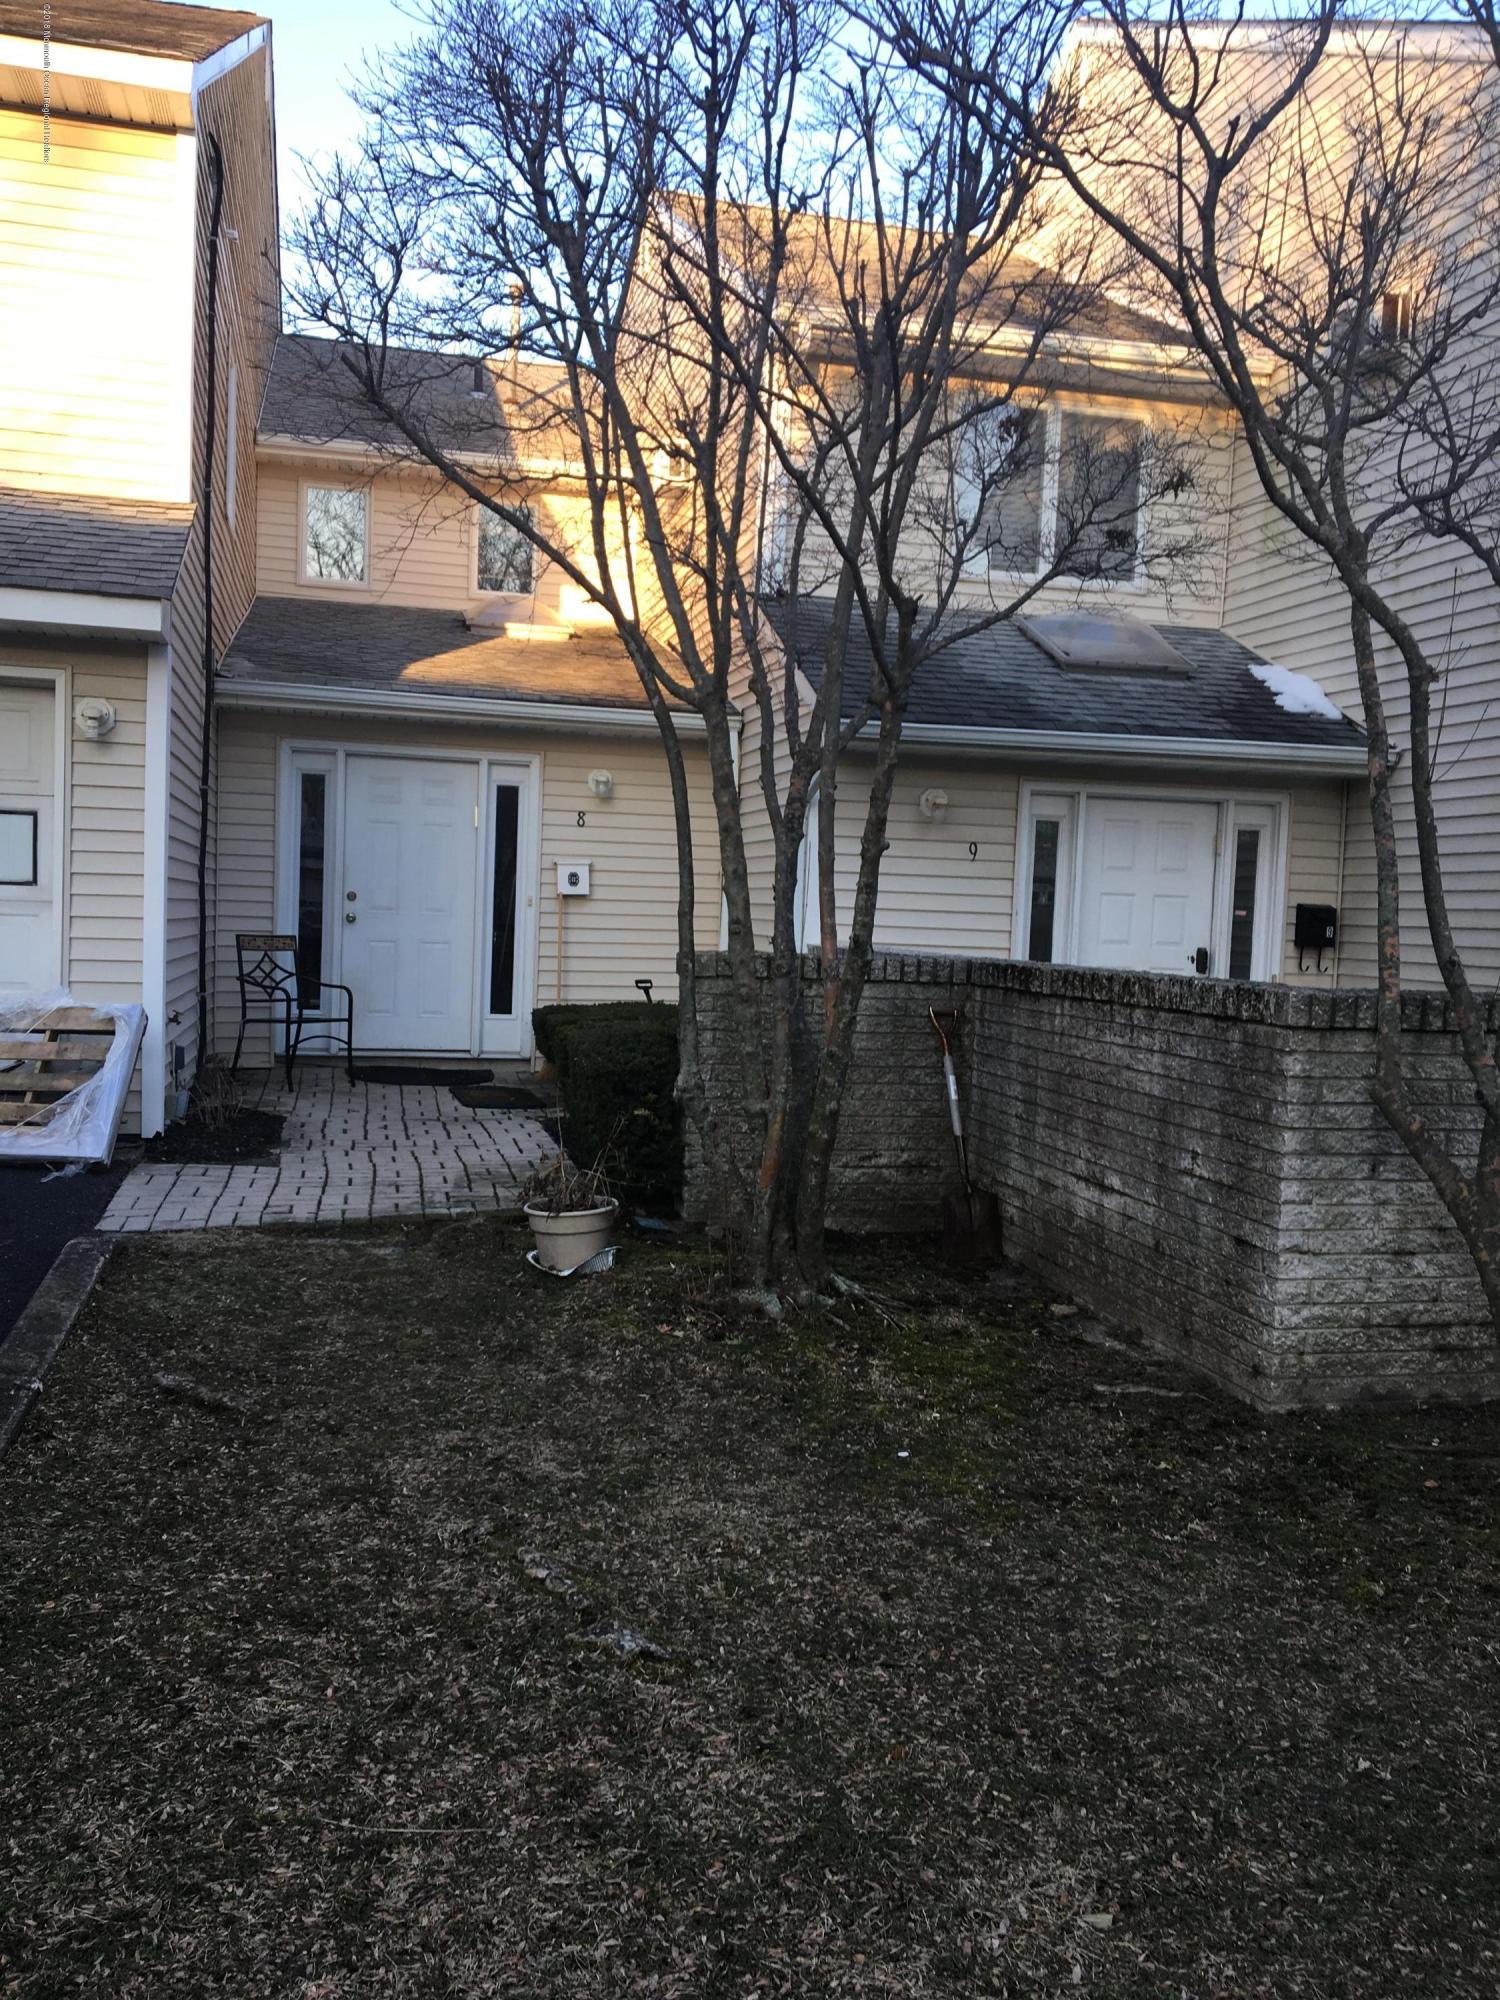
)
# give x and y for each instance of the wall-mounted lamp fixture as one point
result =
(933, 804)
(602, 784)
(94, 716)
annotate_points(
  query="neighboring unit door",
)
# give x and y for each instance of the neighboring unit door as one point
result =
(407, 905)
(507, 967)
(1147, 890)
(28, 893)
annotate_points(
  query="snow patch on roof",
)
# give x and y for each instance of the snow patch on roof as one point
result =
(1298, 694)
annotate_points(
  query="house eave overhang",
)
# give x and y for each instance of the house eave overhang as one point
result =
(90, 613)
(1312, 760)
(145, 87)
(285, 446)
(309, 699)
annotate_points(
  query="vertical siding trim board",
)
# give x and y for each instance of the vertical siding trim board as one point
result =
(154, 889)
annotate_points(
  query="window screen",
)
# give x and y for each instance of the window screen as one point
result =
(1099, 496)
(335, 545)
(504, 554)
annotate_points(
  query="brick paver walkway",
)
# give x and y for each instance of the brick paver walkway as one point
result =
(350, 1152)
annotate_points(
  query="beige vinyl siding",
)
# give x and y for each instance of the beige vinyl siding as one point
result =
(96, 325)
(107, 820)
(625, 930)
(1279, 599)
(933, 896)
(1288, 608)
(421, 541)
(233, 108)
(104, 822)
(936, 898)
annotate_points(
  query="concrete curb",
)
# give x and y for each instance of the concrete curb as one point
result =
(33, 1342)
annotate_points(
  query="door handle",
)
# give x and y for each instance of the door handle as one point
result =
(350, 918)
(1200, 959)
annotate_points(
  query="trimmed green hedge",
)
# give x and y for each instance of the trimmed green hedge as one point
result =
(617, 1075)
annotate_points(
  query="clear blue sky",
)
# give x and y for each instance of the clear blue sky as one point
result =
(318, 46)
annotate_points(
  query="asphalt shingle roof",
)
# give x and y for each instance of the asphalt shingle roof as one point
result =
(1000, 679)
(65, 541)
(386, 648)
(464, 405)
(144, 27)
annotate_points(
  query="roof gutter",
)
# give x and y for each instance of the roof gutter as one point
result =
(305, 699)
(1311, 759)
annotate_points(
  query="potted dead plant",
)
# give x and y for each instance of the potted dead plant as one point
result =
(571, 1212)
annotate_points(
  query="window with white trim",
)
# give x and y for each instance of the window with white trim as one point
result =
(1099, 488)
(336, 534)
(999, 486)
(504, 558)
(1033, 487)
(1046, 906)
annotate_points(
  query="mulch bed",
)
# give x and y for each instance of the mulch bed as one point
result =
(243, 1136)
(381, 1618)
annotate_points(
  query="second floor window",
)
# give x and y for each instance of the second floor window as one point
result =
(1098, 496)
(1063, 487)
(504, 560)
(336, 534)
(1013, 443)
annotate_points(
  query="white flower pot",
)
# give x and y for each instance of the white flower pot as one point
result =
(563, 1241)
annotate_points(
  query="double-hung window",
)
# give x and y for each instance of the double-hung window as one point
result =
(1097, 533)
(1000, 484)
(1037, 489)
(336, 534)
(504, 556)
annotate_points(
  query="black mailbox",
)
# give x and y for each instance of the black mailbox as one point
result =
(1315, 927)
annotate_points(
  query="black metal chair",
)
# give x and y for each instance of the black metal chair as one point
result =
(271, 990)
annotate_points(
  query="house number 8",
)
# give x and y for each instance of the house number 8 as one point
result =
(583, 819)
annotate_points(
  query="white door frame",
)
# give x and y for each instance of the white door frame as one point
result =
(62, 729)
(1270, 811)
(497, 770)
(300, 753)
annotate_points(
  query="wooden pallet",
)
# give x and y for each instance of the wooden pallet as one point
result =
(40, 1065)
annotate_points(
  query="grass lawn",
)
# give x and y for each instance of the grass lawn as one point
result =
(989, 1673)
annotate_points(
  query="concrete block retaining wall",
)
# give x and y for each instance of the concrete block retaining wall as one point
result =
(1198, 1159)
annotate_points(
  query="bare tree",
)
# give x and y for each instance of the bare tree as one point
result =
(1314, 199)
(757, 267)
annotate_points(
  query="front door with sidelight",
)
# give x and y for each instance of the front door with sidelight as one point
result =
(1146, 887)
(28, 892)
(407, 907)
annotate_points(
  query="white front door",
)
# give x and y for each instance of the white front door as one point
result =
(407, 906)
(28, 893)
(1147, 885)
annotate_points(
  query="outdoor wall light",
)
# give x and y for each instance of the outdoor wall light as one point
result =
(933, 803)
(602, 784)
(94, 716)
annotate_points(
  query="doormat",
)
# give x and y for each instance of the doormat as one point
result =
(368, 1073)
(497, 1097)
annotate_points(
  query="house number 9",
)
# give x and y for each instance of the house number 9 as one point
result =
(973, 850)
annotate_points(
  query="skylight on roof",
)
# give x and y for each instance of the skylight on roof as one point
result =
(1099, 643)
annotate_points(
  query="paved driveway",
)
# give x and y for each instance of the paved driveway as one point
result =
(39, 1212)
(350, 1152)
